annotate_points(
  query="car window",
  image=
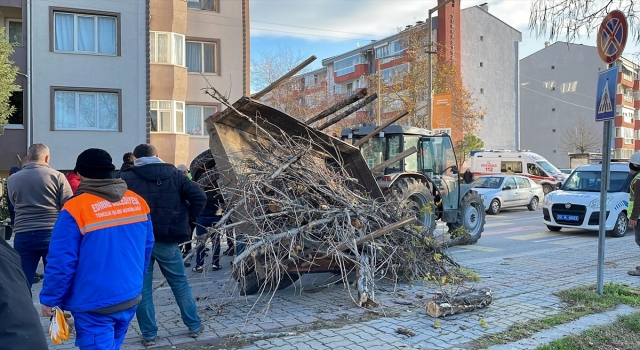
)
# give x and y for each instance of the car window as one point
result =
(522, 182)
(510, 182)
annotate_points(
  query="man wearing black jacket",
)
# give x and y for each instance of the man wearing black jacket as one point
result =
(20, 327)
(173, 199)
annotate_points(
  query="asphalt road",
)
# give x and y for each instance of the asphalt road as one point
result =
(520, 231)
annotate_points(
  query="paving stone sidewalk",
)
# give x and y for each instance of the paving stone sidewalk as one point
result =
(315, 316)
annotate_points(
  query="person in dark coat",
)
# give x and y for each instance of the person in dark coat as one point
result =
(205, 174)
(20, 326)
(173, 199)
(127, 161)
(467, 177)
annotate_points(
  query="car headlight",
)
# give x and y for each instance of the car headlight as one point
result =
(547, 200)
(595, 204)
(483, 197)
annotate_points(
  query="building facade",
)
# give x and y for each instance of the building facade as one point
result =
(490, 68)
(70, 99)
(487, 59)
(194, 44)
(114, 74)
(558, 99)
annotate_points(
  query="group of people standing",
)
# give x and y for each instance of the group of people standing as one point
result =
(99, 233)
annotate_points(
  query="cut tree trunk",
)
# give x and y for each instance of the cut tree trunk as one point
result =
(445, 305)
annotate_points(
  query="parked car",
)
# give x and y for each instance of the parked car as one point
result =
(507, 191)
(577, 203)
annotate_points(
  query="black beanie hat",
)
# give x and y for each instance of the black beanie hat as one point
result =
(95, 163)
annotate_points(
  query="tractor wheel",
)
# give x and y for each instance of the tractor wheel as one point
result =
(416, 197)
(471, 216)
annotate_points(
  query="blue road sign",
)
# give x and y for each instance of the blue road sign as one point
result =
(606, 94)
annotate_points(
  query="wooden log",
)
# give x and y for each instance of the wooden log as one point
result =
(349, 111)
(380, 128)
(445, 305)
(338, 106)
(398, 157)
(283, 78)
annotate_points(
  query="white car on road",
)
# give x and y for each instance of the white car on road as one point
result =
(506, 191)
(577, 204)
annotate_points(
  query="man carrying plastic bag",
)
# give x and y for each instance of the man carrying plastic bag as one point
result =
(99, 251)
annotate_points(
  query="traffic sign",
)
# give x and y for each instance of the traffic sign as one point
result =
(606, 94)
(612, 36)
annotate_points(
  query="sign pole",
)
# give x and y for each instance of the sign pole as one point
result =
(611, 40)
(604, 187)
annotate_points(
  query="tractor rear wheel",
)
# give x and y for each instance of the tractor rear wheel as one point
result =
(471, 216)
(416, 197)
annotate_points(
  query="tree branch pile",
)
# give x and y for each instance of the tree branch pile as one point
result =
(297, 210)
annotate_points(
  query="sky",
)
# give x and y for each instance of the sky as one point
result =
(326, 28)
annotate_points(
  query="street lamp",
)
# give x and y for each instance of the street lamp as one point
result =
(431, 52)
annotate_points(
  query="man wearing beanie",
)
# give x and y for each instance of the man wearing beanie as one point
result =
(100, 249)
(634, 198)
(173, 199)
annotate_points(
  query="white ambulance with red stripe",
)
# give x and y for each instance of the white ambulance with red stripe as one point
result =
(524, 163)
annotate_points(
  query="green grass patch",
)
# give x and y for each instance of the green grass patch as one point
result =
(624, 334)
(579, 302)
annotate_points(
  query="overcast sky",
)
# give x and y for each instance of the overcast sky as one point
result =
(327, 28)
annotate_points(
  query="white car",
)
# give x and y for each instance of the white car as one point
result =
(577, 203)
(506, 191)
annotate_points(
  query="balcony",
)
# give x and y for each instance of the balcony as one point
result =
(625, 80)
(625, 100)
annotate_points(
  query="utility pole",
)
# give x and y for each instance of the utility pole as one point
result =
(431, 52)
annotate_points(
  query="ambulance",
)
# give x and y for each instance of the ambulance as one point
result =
(524, 163)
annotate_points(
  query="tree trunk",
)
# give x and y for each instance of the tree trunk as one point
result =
(445, 305)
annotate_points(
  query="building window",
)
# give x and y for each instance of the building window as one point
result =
(553, 130)
(553, 67)
(394, 73)
(201, 57)
(481, 90)
(15, 101)
(76, 109)
(85, 33)
(348, 65)
(167, 48)
(481, 38)
(195, 119)
(553, 109)
(481, 65)
(14, 31)
(167, 116)
(209, 5)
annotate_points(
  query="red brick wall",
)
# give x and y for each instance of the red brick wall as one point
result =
(449, 32)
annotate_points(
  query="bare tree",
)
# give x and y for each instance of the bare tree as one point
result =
(581, 137)
(572, 18)
(294, 96)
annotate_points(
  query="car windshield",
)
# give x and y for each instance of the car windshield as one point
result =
(488, 182)
(548, 167)
(590, 180)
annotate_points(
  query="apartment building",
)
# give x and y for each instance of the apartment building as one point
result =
(485, 48)
(194, 44)
(82, 77)
(114, 74)
(559, 86)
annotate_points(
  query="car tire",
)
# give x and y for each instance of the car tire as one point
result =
(494, 207)
(554, 228)
(620, 227)
(533, 205)
(546, 188)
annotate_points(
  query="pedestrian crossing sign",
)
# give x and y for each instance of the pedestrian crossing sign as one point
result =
(606, 94)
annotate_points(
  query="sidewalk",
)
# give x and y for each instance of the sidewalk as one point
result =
(318, 317)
